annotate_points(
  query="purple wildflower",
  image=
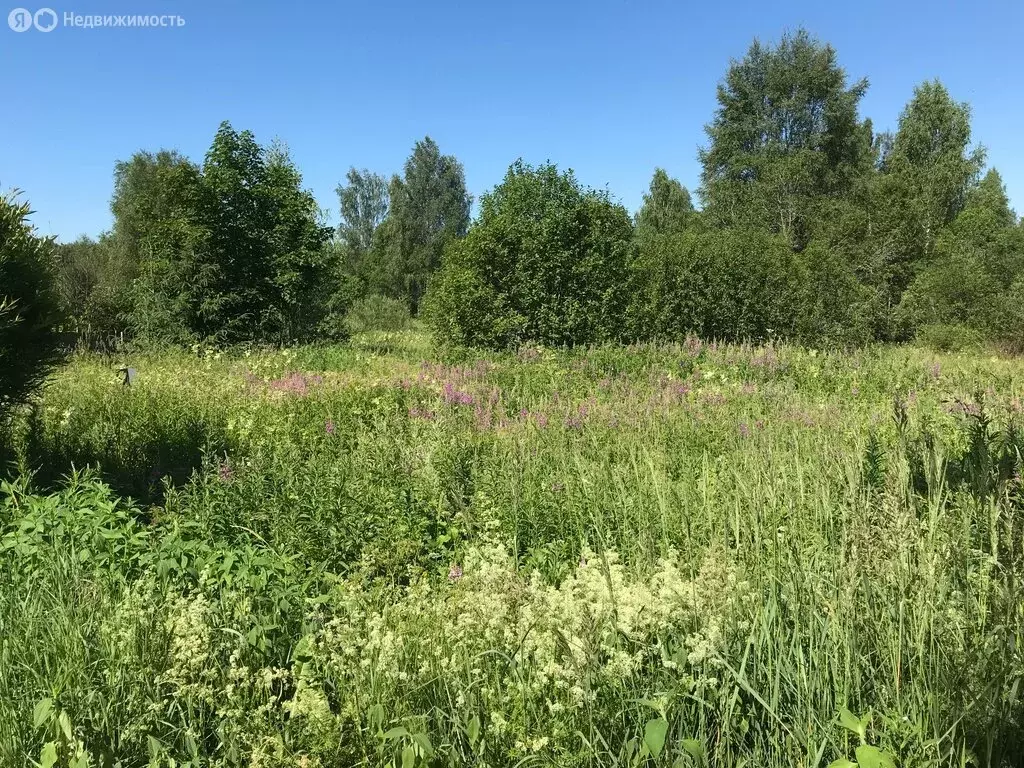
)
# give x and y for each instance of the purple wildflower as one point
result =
(329, 427)
(455, 572)
(453, 396)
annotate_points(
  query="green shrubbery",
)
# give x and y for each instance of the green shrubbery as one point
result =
(717, 284)
(30, 311)
(378, 313)
(547, 261)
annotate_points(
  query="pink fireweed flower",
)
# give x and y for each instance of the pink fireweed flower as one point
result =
(453, 396)
(225, 473)
(294, 383)
(329, 427)
(455, 572)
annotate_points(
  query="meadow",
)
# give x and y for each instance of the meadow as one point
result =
(369, 555)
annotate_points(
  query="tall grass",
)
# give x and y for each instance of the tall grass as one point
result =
(685, 555)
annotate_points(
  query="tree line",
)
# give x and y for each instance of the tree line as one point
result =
(811, 226)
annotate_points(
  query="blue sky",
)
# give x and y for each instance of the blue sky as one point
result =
(610, 88)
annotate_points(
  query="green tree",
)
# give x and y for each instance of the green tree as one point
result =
(667, 207)
(547, 261)
(241, 255)
(94, 280)
(143, 198)
(364, 205)
(786, 136)
(969, 281)
(930, 161)
(429, 209)
(987, 226)
(30, 312)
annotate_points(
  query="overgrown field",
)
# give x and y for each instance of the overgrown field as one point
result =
(654, 556)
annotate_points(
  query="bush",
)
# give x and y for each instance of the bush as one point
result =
(29, 306)
(546, 262)
(949, 338)
(378, 313)
(723, 284)
(955, 291)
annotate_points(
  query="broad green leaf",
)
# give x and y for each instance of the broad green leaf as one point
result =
(853, 723)
(48, 758)
(424, 743)
(408, 757)
(654, 736)
(473, 729)
(396, 733)
(842, 762)
(873, 757)
(41, 712)
(65, 725)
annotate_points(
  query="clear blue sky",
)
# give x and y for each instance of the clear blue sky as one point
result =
(610, 88)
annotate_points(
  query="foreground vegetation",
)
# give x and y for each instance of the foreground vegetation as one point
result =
(358, 555)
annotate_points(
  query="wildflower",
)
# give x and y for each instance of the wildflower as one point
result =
(329, 427)
(453, 396)
(455, 572)
(225, 473)
(744, 430)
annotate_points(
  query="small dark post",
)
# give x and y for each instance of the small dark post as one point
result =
(129, 375)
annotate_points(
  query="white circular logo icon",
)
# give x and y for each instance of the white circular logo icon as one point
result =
(20, 20)
(45, 19)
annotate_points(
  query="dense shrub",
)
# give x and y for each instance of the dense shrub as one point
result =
(29, 306)
(724, 284)
(546, 262)
(378, 313)
(948, 338)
